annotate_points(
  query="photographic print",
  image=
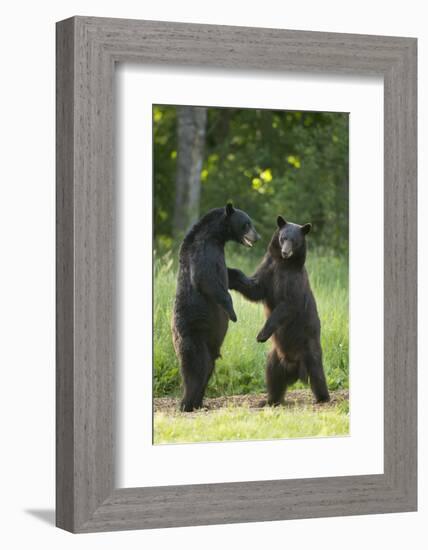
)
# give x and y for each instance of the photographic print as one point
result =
(250, 272)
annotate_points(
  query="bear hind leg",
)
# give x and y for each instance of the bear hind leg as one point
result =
(196, 367)
(314, 367)
(276, 380)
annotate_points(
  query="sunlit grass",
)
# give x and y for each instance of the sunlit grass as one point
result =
(242, 423)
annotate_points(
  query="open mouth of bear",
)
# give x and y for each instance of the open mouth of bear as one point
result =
(247, 242)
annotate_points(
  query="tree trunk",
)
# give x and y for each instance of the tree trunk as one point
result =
(191, 123)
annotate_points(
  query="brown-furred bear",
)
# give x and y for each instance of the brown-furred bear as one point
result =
(281, 282)
(203, 305)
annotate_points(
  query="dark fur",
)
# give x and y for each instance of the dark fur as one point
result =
(203, 305)
(281, 283)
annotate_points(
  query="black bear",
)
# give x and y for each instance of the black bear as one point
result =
(282, 284)
(203, 305)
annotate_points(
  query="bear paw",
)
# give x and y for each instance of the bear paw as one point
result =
(232, 316)
(262, 337)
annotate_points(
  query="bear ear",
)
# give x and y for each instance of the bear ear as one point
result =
(306, 228)
(280, 221)
(229, 209)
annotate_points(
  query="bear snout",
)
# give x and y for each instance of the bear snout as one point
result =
(286, 251)
(250, 237)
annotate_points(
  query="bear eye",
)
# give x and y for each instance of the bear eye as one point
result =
(246, 225)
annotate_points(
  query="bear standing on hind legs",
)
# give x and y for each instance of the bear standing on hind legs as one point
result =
(203, 305)
(282, 284)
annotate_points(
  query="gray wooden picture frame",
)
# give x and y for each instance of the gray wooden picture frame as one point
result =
(87, 50)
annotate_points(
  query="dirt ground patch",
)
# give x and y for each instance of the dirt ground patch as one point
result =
(296, 398)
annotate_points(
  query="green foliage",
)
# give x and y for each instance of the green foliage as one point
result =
(165, 151)
(247, 424)
(268, 162)
(241, 368)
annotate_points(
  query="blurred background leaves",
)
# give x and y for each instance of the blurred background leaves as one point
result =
(267, 162)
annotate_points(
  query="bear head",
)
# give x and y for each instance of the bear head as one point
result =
(241, 228)
(291, 238)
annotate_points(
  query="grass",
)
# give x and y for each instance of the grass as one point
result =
(241, 368)
(242, 423)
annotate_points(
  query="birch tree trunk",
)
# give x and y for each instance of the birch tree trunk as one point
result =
(191, 124)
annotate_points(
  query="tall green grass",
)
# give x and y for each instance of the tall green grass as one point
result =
(241, 368)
